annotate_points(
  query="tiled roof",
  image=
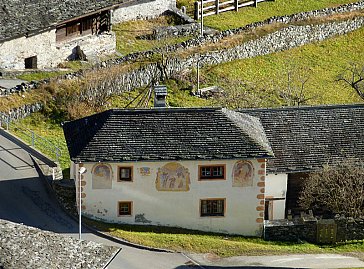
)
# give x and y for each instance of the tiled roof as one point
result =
(306, 138)
(166, 134)
(22, 17)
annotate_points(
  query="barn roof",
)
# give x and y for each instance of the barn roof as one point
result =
(306, 138)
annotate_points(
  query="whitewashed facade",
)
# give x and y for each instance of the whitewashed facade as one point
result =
(176, 207)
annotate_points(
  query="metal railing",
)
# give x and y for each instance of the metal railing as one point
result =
(29, 136)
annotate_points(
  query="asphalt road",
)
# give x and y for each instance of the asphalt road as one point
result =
(24, 199)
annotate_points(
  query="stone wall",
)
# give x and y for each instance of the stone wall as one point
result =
(27, 247)
(49, 52)
(286, 38)
(142, 9)
(347, 229)
(18, 113)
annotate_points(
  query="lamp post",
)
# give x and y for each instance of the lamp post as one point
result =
(80, 172)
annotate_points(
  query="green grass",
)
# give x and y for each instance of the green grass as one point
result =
(129, 35)
(222, 245)
(35, 76)
(325, 61)
(47, 129)
(246, 15)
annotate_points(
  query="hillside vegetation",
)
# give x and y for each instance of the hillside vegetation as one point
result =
(265, 10)
(261, 77)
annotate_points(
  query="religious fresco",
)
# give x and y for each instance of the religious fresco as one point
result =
(144, 171)
(173, 177)
(102, 176)
(243, 174)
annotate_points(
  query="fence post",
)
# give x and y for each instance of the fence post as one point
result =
(217, 6)
(255, 3)
(58, 154)
(197, 10)
(236, 3)
(7, 123)
(201, 6)
(32, 133)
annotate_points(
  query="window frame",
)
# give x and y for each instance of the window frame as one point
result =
(131, 173)
(212, 166)
(216, 215)
(130, 211)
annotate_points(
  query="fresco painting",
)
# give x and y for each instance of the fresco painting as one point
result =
(243, 174)
(173, 177)
(102, 176)
(144, 171)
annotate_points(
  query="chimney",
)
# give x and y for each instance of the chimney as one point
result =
(160, 93)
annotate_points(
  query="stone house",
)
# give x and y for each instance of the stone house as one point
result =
(215, 167)
(197, 168)
(304, 139)
(43, 33)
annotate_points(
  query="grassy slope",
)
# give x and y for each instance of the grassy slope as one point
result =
(47, 129)
(326, 61)
(128, 35)
(222, 245)
(229, 20)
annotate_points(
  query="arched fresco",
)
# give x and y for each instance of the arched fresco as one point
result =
(102, 176)
(243, 174)
(173, 177)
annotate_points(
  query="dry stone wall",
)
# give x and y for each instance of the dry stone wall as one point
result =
(18, 113)
(27, 247)
(347, 229)
(286, 38)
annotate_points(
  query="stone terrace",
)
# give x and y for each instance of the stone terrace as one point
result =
(27, 247)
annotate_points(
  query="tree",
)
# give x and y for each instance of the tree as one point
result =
(353, 76)
(339, 189)
(294, 90)
(239, 94)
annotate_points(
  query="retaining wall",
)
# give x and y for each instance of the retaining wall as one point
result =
(286, 38)
(347, 229)
(19, 113)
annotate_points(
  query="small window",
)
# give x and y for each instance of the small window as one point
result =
(211, 172)
(212, 208)
(125, 208)
(31, 62)
(125, 173)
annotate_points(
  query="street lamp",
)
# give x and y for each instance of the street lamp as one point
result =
(81, 172)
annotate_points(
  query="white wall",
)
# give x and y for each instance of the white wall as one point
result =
(142, 10)
(180, 208)
(49, 52)
(276, 187)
